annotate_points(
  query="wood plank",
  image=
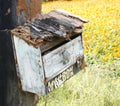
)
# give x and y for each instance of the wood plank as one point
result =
(47, 26)
(56, 42)
(74, 17)
(30, 67)
(50, 44)
(58, 24)
(62, 57)
(60, 16)
(40, 25)
(60, 28)
(39, 33)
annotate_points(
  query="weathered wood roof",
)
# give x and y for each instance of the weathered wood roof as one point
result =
(56, 23)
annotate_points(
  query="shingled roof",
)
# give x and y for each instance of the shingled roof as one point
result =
(56, 23)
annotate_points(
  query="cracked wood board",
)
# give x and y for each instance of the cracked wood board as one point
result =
(30, 68)
(48, 26)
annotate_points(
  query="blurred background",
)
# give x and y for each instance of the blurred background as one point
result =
(99, 83)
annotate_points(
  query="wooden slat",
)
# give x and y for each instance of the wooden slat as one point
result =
(60, 16)
(45, 27)
(62, 57)
(58, 24)
(63, 27)
(40, 25)
(39, 33)
(56, 42)
(74, 17)
(50, 44)
(30, 67)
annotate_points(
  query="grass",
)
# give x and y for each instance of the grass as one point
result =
(99, 83)
(91, 87)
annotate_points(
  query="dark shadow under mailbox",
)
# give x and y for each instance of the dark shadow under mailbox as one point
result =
(48, 50)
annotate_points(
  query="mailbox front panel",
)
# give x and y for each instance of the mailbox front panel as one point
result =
(63, 57)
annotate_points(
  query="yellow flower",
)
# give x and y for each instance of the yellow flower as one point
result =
(117, 54)
(85, 51)
(86, 38)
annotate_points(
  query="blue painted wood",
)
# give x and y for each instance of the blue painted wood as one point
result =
(63, 57)
(30, 69)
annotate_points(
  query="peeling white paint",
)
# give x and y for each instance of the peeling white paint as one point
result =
(30, 67)
(57, 61)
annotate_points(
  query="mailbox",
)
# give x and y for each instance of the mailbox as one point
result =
(48, 50)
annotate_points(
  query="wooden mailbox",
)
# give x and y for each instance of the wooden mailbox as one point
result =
(48, 50)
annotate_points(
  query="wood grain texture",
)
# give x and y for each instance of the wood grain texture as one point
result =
(48, 26)
(57, 23)
(62, 57)
(30, 67)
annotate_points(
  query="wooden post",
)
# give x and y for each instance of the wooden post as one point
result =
(13, 13)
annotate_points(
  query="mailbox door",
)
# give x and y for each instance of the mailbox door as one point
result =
(63, 57)
(59, 63)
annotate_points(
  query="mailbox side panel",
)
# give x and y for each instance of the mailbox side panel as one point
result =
(29, 63)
